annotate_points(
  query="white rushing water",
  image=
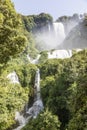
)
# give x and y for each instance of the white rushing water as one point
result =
(33, 61)
(59, 31)
(52, 37)
(37, 105)
(36, 108)
(60, 54)
(13, 77)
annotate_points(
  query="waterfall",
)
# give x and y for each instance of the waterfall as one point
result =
(60, 54)
(59, 33)
(51, 38)
(33, 61)
(36, 108)
(37, 85)
(13, 77)
(59, 29)
(37, 105)
(49, 27)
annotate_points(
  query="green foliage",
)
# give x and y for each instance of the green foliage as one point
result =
(42, 20)
(31, 25)
(26, 74)
(68, 19)
(12, 98)
(45, 86)
(51, 67)
(31, 48)
(25, 71)
(85, 20)
(43, 57)
(36, 22)
(78, 122)
(79, 105)
(28, 22)
(45, 121)
(12, 40)
(63, 85)
(63, 82)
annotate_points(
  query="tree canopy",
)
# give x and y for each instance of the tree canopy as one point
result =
(12, 41)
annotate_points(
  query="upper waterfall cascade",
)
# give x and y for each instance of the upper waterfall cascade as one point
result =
(52, 37)
(59, 31)
(58, 34)
(36, 108)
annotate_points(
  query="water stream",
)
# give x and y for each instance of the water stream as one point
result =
(36, 108)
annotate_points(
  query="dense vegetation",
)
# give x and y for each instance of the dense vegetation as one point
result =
(64, 93)
(12, 40)
(63, 82)
(35, 25)
(64, 90)
(36, 22)
(16, 42)
(44, 121)
(13, 97)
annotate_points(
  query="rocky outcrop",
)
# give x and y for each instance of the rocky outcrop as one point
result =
(77, 38)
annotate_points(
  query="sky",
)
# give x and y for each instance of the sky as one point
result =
(55, 8)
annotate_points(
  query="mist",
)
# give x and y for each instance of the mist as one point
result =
(50, 38)
(61, 35)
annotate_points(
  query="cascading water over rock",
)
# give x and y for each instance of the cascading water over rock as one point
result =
(60, 54)
(51, 38)
(59, 33)
(13, 77)
(33, 61)
(36, 108)
(37, 105)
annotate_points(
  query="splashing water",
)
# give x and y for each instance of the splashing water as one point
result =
(33, 61)
(51, 38)
(36, 108)
(13, 77)
(60, 54)
(59, 32)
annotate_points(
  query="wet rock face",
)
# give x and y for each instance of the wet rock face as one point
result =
(77, 38)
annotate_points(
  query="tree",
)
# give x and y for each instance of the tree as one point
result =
(79, 105)
(45, 121)
(12, 40)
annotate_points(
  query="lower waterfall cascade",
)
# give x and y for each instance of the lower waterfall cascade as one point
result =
(60, 54)
(36, 108)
